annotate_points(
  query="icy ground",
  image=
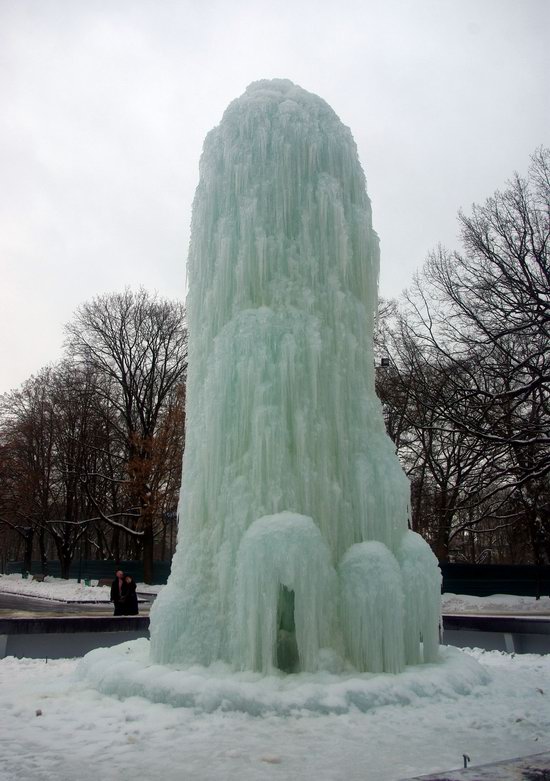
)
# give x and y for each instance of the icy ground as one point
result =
(72, 591)
(54, 728)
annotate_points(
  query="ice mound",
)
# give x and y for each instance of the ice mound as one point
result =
(285, 590)
(127, 671)
(422, 616)
(372, 608)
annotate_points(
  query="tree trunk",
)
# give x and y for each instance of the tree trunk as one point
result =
(538, 543)
(65, 559)
(444, 519)
(441, 548)
(43, 555)
(148, 545)
(27, 556)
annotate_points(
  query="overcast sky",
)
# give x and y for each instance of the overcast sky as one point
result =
(105, 105)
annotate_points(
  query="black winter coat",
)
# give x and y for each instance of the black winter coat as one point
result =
(117, 596)
(129, 599)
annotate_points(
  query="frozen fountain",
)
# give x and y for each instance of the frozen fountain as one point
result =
(294, 553)
(293, 513)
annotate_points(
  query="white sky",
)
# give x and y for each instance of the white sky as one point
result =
(105, 105)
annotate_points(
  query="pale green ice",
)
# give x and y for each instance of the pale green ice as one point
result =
(293, 549)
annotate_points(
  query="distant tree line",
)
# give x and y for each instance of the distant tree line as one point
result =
(90, 449)
(467, 386)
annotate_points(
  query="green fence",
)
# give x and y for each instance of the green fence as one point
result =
(96, 569)
(482, 580)
(477, 579)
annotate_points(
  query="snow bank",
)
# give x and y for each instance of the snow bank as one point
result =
(495, 604)
(54, 588)
(62, 590)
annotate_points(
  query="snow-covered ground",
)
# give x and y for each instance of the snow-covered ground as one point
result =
(495, 605)
(53, 727)
(72, 591)
(63, 590)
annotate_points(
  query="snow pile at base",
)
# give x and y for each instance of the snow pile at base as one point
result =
(126, 671)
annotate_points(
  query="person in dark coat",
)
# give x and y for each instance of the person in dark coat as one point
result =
(118, 590)
(129, 599)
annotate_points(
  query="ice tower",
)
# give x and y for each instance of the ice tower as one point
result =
(293, 549)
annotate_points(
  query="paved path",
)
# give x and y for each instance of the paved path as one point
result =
(24, 606)
(533, 768)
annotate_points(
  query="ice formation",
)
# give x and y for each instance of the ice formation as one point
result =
(293, 544)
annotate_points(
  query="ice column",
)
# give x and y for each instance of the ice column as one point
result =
(293, 508)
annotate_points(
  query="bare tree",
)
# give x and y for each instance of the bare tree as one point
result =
(27, 445)
(481, 319)
(137, 344)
